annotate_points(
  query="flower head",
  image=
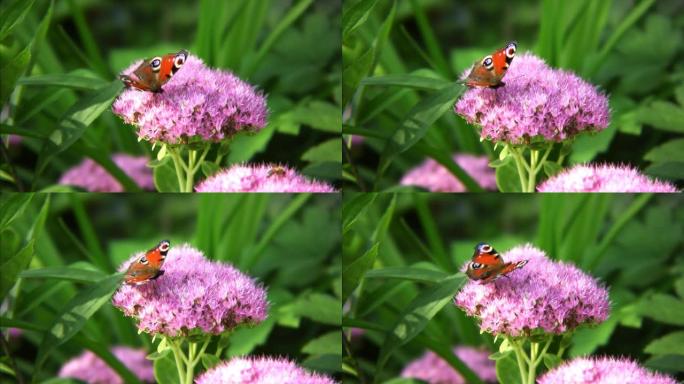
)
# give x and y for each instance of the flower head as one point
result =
(544, 295)
(435, 177)
(194, 294)
(90, 176)
(91, 369)
(603, 370)
(604, 178)
(198, 102)
(433, 369)
(536, 101)
(261, 370)
(261, 178)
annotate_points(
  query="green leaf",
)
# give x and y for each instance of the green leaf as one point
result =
(418, 120)
(355, 15)
(245, 145)
(507, 179)
(330, 343)
(417, 314)
(669, 170)
(11, 15)
(64, 273)
(320, 307)
(11, 70)
(679, 287)
(507, 370)
(319, 115)
(663, 115)
(75, 314)
(209, 169)
(551, 168)
(407, 273)
(64, 80)
(158, 355)
(165, 179)
(551, 361)
(13, 206)
(165, 371)
(355, 269)
(76, 120)
(330, 150)
(355, 69)
(209, 361)
(500, 355)
(407, 81)
(352, 209)
(679, 95)
(12, 265)
(670, 151)
(243, 340)
(39, 36)
(670, 344)
(664, 308)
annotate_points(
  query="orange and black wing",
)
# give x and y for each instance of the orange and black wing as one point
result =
(148, 266)
(489, 71)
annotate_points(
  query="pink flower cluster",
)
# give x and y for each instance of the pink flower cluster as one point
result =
(432, 369)
(603, 370)
(604, 178)
(434, 177)
(543, 295)
(90, 176)
(537, 101)
(261, 178)
(90, 368)
(193, 294)
(261, 370)
(196, 102)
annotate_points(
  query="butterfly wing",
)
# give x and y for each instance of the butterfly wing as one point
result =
(491, 69)
(485, 263)
(153, 73)
(148, 266)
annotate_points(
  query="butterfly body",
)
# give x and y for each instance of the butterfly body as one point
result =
(153, 73)
(148, 266)
(487, 265)
(489, 71)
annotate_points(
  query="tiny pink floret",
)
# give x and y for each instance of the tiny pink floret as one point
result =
(434, 177)
(193, 295)
(196, 103)
(547, 295)
(261, 370)
(262, 178)
(92, 177)
(603, 370)
(536, 101)
(604, 178)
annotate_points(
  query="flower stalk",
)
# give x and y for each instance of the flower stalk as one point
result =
(528, 170)
(186, 362)
(187, 164)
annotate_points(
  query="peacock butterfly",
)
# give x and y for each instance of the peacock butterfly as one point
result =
(153, 73)
(148, 266)
(487, 265)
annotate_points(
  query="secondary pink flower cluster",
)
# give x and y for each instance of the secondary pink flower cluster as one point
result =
(434, 177)
(90, 176)
(432, 369)
(197, 102)
(261, 178)
(604, 178)
(548, 295)
(90, 368)
(261, 370)
(536, 101)
(192, 294)
(603, 370)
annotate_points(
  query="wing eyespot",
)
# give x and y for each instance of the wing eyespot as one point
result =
(143, 260)
(488, 63)
(156, 64)
(475, 265)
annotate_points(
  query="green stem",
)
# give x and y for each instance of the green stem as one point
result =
(519, 353)
(190, 371)
(520, 165)
(543, 160)
(178, 167)
(177, 353)
(532, 367)
(532, 171)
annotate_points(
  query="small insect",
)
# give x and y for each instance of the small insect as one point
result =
(148, 266)
(277, 170)
(153, 73)
(489, 71)
(487, 265)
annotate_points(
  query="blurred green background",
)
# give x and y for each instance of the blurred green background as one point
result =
(632, 50)
(60, 60)
(631, 243)
(289, 243)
